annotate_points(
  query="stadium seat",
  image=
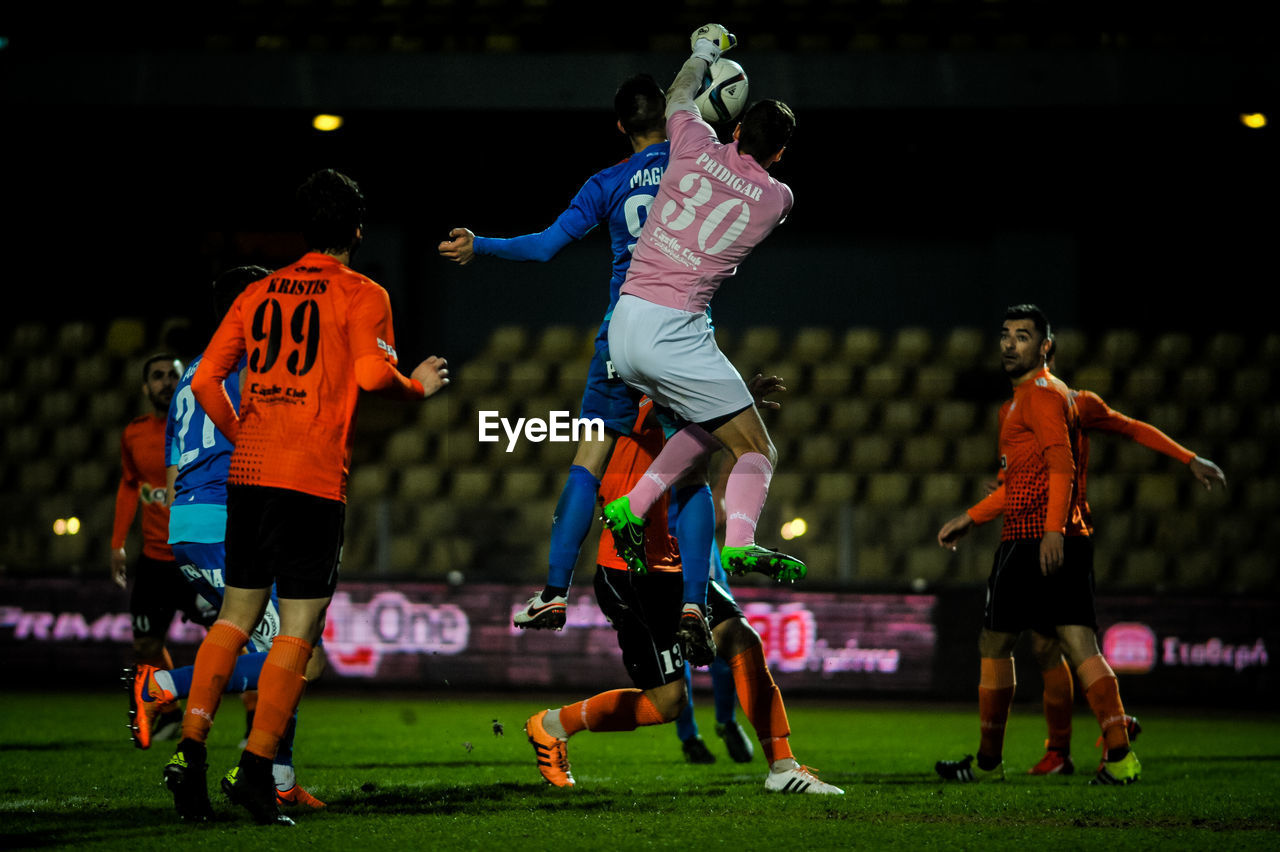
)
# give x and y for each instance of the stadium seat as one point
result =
(757, 346)
(874, 564)
(1262, 496)
(1171, 349)
(506, 343)
(952, 418)
(523, 483)
(871, 452)
(904, 527)
(29, 337)
(95, 374)
(832, 486)
(861, 346)
(924, 453)
(421, 482)
(1225, 351)
(125, 336)
(975, 454)
(1253, 573)
(1072, 349)
(945, 490)
(812, 345)
(830, 379)
(434, 518)
(1097, 378)
(369, 482)
(797, 416)
(911, 347)
(1119, 348)
(1168, 417)
(1197, 384)
(883, 381)
(1107, 492)
(437, 414)
(934, 382)
(44, 372)
(789, 487)
(818, 452)
(853, 416)
(926, 564)
(73, 442)
(1143, 384)
(964, 347)
(405, 446)
(1269, 351)
(888, 489)
(902, 417)
(471, 485)
(1195, 569)
(38, 476)
(1144, 568)
(560, 343)
(76, 338)
(528, 378)
(1156, 492)
(460, 445)
(1251, 385)
(1220, 420)
(13, 406)
(1127, 456)
(23, 441)
(108, 410)
(68, 551)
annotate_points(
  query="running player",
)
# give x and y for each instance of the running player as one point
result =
(199, 457)
(715, 204)
(1059, 692)
(1042, 575)
(641, 608)
(159, 591)
(619, 198)
(316, 334)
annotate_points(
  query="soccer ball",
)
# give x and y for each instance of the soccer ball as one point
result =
(723, 92)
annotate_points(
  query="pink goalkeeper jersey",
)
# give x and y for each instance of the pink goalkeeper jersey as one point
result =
(713, 207)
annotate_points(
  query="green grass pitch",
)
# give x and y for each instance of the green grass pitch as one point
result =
(427, 771)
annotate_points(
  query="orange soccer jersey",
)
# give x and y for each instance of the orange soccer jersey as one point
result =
(631, 458)
(314, 333)
(1040, 445)
(143, 479)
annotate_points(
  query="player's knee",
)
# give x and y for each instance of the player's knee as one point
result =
(734, 637)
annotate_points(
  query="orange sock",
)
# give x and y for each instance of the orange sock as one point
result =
(214, 663)
(1059, 701)
(280, 688)
(995, 697)
(1102, 690)
(761, 700)
(616, 710)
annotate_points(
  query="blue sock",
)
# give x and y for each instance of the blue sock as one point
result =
(695, 528)
(244, 676)
(726, 694)
(575, 512)
(686, 726)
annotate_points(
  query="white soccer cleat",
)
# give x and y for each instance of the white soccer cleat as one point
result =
(538, 614)
(801, 779)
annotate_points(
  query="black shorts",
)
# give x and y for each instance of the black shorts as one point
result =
(1020, 598)
(645, 610)
(275, 535)
(159, 592)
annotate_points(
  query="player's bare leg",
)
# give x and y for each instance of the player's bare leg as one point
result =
(1102, 690)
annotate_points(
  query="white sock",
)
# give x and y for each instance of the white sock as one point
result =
(164, 680)
(551, 724)
(784, 764)
(285, 777)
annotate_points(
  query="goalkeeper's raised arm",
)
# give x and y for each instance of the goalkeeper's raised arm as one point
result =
(708, 42)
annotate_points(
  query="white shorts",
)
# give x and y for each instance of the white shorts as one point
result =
(671, 356)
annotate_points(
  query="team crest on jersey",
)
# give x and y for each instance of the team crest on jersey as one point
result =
(1042, 382)
(387, 348)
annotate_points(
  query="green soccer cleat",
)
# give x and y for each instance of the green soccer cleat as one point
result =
(761, 560)
(628, 533)
(1126, 770)
(966, 772)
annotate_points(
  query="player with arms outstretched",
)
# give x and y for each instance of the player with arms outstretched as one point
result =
(716, 202)
(1042, 575)
(316, 334)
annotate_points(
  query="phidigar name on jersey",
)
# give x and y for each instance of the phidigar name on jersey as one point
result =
(293, 287)
(726, 176)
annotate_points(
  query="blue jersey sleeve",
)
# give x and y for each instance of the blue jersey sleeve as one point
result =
(585, 212)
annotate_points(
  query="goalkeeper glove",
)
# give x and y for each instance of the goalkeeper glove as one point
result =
(719, 40)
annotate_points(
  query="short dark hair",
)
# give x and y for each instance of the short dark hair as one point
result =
(159, 356)
(231, 283)
(1033, 313)
(640, 105)
(766, 129)
(331, 207)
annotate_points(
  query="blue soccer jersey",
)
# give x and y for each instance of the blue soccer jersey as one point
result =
(202, 455)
